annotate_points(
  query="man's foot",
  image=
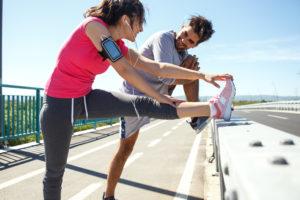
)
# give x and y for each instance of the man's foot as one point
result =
(199, 123)
(221, 104)
(108, 198)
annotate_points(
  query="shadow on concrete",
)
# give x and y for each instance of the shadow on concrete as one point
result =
(134, 184)
(21, 156)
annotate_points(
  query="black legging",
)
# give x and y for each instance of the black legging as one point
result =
(57, 127)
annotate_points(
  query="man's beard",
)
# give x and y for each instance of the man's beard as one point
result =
(177, 44)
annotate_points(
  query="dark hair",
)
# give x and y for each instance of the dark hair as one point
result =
(202, 27)
(110, 11)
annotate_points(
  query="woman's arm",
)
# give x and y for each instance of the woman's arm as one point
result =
(168, 70)
(95, 31)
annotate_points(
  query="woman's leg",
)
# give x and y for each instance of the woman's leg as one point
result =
(103, 104)
(55, 120)
(193, 109)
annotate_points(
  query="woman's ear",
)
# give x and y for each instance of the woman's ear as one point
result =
(125, 19)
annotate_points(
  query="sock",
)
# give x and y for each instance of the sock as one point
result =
(213, 110)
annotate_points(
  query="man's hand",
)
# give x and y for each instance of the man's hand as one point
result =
(191, 62)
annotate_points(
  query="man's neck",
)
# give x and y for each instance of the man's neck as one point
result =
(180, 51)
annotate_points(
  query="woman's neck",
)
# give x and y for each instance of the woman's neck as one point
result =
(116, 32)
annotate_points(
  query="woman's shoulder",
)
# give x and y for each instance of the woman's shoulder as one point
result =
(93, 19)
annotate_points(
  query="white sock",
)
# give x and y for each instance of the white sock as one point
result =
(213, 110)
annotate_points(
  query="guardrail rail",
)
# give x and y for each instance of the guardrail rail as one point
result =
(256, 162)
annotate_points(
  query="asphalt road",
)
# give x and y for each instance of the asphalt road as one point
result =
(284, 121)
(167, 163)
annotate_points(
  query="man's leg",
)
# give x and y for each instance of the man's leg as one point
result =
(191, 91)
(118, 162)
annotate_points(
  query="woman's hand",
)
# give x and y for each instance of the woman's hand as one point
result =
(169, 100)
(212, 78)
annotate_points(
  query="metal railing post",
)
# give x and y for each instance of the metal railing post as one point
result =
(37, 116)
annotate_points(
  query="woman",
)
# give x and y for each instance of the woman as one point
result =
(68, 93)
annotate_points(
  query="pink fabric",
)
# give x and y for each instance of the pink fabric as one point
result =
(77, 64)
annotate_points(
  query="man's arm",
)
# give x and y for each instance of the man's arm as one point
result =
(191, 62)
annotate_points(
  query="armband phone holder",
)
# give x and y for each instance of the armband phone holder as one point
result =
(110, 49)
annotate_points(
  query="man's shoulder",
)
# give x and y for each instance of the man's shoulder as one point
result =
(165, 38)
(164, 34)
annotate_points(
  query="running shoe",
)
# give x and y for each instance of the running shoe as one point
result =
(108, 198)
(199, 123)
(220, 105)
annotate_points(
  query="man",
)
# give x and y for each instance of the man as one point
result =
(165, 46)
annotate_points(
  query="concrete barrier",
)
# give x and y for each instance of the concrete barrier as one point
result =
(256, 162)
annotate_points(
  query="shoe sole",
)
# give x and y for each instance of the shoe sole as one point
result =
(228, 110)
(203, 125)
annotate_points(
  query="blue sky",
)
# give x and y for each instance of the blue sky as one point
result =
(258, 42)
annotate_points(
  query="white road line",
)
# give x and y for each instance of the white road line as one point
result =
(166, 133)
(92, 150)
(86, 191)
(246, 111)
(149, 127)
(186, 179)
(175, 127)
(21, 178)
(133, 158)
(39, 171)
(275, 116)
(154, 142)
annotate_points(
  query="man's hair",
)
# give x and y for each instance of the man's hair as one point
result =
(110, 11)
(202, 27)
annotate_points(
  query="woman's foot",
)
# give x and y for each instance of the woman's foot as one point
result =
(220, 105)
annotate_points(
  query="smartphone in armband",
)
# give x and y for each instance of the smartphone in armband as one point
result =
(110, 50)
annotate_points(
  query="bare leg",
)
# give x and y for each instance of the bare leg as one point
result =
(191, 91)
(193, 109)
(118, 162)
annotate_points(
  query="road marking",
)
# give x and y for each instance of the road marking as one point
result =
(186, 179)
(92, 150)
(86, 191)
(133, 158)
(39, 171)
(21, 178)
(246, 111)
(154, 142)
(275, 116)
(149, 127)
(175, 127)
(166, 133)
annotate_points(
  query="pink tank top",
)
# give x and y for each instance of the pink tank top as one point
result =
(77, 64)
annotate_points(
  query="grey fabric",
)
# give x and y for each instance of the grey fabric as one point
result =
(161, 48)
(56, 126)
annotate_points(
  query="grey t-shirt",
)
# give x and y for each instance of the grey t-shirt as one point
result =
(161, 48)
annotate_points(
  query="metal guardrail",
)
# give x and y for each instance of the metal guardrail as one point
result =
(256, 162)
(277, 105)
(20, 114)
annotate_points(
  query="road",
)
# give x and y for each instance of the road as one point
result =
(285, 121)
(167, 163)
